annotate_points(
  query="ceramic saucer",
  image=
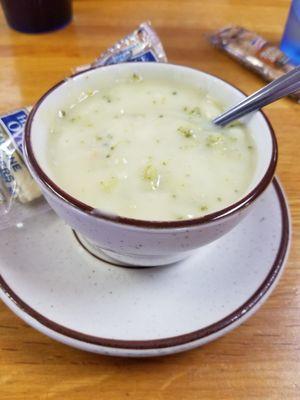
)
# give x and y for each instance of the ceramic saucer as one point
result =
(51, 282)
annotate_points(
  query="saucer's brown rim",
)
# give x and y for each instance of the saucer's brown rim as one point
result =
(232, 209)
(181, 339)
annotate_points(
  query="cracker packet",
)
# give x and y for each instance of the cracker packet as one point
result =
(254, 52)
(20, 196)
(143, 44)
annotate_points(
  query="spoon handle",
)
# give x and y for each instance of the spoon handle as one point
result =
(280, 87)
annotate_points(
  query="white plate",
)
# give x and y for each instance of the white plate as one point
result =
(57, 287)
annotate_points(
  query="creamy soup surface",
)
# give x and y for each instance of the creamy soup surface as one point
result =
(146, 149)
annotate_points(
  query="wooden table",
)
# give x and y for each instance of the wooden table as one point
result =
(259, 360)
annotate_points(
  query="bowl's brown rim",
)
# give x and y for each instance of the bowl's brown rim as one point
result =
(232, 209)
(190, 337)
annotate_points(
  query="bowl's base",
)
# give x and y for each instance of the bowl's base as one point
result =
(125, 259)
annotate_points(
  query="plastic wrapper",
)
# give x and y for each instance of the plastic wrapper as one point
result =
(20, 197)
(254, 52)
(143, 44)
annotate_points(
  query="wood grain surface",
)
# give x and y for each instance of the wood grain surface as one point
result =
(259, 360)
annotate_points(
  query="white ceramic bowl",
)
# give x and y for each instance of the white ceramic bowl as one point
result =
(137, 242)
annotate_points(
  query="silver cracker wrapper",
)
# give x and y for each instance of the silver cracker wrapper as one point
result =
(143, 44)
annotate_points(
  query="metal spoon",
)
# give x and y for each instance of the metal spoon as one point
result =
(280, 87)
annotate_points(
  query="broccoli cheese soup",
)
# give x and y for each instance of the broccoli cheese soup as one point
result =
(146, 149)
